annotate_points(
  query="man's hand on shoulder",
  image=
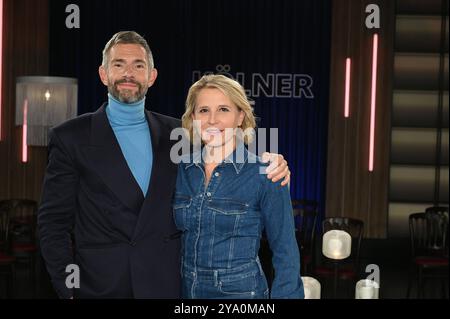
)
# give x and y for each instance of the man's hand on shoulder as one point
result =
(277, 169)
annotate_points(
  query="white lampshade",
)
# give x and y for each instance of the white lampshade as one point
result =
(336, 244)
(43, 102)
(311, 287)
(367, 289)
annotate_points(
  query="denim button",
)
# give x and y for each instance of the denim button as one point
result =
(208, 194)
(216, 174)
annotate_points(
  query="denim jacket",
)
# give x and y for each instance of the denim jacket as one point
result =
(222, 223)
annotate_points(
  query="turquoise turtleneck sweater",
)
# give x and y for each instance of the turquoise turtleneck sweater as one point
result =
(133, 134)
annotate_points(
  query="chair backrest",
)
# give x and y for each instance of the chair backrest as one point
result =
(305, 215)
(418, 234)
(20, 209)
(438, 218)
(23, 216)
(442, 209)
(4, 230)
(354, 227)
(437, 227)
(429, 232)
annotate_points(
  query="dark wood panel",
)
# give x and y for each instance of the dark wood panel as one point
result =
(352, 190)
(25, 53)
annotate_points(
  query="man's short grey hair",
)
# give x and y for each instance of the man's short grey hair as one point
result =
(127, 37)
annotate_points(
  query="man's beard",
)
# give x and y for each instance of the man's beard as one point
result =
(127, 96)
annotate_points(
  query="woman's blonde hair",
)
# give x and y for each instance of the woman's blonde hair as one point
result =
(232, 89)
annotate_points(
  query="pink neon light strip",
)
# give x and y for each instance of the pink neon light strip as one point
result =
(24, 132)
(373, 102)
(347, 87)
(1, 63)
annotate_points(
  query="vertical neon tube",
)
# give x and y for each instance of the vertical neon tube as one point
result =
(347, 87)
(25, 132)
(373, 102)
(1, 64)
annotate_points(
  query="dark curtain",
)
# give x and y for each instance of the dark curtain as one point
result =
(275, 40)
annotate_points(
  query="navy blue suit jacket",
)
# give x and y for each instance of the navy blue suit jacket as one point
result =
(93, 213)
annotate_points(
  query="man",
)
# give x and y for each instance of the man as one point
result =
(106, 203)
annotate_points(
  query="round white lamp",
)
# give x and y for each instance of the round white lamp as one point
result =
(367, 289)
(337, 244)
(311, 287)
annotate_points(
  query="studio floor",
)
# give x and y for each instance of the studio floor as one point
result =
(390, 255)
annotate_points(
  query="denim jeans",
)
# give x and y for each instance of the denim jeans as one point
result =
(245, 282)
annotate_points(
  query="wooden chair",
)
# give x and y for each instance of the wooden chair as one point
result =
(22, 231)
(429, 249)
(7, 260)
(305, 215)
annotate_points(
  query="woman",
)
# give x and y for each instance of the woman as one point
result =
(223, 203)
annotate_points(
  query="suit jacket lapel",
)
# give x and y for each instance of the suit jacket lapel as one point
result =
(163, 177)
(111, 165)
